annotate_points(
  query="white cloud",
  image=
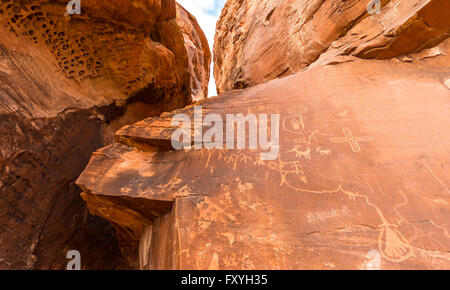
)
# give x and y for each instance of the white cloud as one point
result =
(207, 13)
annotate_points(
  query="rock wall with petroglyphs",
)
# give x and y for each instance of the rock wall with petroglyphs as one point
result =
(361, 180)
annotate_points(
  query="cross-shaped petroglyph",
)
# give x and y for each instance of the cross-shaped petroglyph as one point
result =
(349, 138)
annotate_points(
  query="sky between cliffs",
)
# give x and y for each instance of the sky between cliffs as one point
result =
(207, 13)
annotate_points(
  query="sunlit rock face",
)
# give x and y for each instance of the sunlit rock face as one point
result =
(361, 179)
(257, 41)
(67, 83)
(199, 54)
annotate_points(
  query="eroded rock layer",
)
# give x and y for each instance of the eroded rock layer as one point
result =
(361, 180)
(257, 41)
(67, 83)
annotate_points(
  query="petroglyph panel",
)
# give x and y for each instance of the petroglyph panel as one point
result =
(361, 180)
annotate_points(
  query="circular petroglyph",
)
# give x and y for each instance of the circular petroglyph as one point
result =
(293, 123)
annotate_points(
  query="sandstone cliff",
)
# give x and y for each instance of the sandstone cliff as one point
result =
(67, 83)
(361, 178)
(199, 54)
(257, 41)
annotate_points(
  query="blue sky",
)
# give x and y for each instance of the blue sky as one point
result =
(207, 13)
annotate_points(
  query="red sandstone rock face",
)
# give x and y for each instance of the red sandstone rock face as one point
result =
(67, 83)
(362, 174)
(257, 41)
(199, 54)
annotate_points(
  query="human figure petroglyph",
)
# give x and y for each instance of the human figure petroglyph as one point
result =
(199, 154)
(232, 159)
(245, 158)
(285, 169)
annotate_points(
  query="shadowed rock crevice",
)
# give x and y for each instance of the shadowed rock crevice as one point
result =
(40, 160)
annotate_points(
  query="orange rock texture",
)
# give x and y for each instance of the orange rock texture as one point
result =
(67, 83)
(199, 54)
(361, 180)
(300, 31)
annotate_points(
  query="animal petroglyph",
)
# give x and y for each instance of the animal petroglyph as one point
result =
(301, 153)
(354, 141)
(323, 151)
